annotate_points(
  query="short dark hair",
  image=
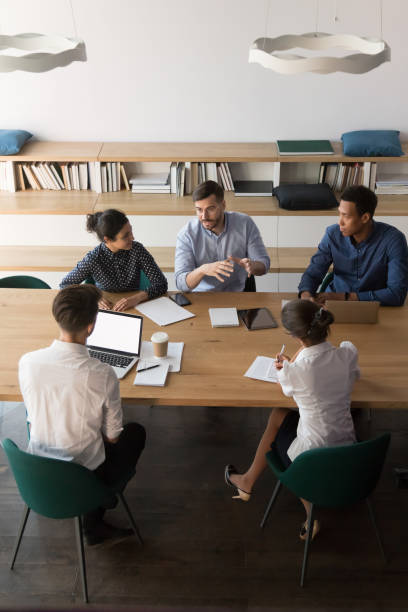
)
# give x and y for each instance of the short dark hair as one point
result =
(307, 320)
(207, 189)
(107, 223)
(364, 199)
(75, 307)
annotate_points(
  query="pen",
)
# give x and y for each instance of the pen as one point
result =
(149, 367)
(281, 351)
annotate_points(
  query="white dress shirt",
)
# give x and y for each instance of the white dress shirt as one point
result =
(71, 399)
(320, 380)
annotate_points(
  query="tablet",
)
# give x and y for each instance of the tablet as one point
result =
(257, 318)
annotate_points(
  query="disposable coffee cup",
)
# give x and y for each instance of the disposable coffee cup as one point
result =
(160, 341)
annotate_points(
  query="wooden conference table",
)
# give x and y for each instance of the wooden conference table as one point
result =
(214, 360)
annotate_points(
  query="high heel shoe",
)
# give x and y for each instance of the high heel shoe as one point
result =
(241, 494)
(315, 530)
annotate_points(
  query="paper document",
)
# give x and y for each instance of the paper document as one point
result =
(163, 311)
(263, 368)
(223, 317)
(174, 353)
(155, 377)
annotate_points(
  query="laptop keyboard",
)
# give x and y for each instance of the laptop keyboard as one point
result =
(116, 361)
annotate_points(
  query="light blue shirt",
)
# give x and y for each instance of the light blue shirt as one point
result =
(197, 246)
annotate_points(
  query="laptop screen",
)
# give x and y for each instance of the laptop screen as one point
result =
(117, 332)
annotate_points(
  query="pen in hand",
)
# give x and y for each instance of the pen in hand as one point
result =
(281, 352)
(156, 365)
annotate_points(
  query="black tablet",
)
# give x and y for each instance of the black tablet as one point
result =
(257, 318)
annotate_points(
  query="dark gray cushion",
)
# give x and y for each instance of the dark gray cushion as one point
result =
(305, 196)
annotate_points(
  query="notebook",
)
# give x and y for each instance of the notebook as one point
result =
(173, 358)
(223, 317)
(305, 147)
(163, 311)
(353, 312)
(116, 340)
(263, 368)
(253, 188)
(155, 377)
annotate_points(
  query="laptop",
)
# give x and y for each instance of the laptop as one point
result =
(353, 312)
(116, 340)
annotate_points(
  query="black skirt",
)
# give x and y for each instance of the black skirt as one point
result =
(285, 436)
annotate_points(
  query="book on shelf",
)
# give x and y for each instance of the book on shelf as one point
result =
(151, 189)
(109, 176)
(124, 177)
(104, 178)
(187, 178)
(253, 188)
(392, 184)
(20, 176)
(344, 174)
(151, 178)
(7, 176)
(83, 176)
(305, 147)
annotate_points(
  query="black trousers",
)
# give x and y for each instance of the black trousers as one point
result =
(120, 459)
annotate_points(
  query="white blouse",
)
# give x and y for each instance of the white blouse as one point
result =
(320, 380)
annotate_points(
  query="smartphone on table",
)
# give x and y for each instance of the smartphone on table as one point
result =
(180, 299)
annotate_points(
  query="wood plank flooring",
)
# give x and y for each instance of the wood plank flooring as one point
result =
(204, 551)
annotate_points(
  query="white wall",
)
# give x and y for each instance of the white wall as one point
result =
(178, 70)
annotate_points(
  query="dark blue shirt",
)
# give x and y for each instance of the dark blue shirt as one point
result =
(119, 271)
(376, 269)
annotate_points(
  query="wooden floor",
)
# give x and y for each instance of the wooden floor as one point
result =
(204, 551)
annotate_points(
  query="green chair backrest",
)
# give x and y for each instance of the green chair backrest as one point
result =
(144, 282)
(335, 476)
(23, 282)
(54, 488)
(326, 282)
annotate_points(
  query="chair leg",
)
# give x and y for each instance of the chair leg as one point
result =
(131, 519)
(307, 544)
(271, 502)
(377, 533)
(23, 523)
(81, 556)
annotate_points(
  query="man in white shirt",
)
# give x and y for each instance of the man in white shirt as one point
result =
(73, 404)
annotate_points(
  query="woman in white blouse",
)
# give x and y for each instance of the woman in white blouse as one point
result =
(320, 378)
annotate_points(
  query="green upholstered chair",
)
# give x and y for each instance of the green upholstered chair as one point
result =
(23, 282)
(60, 490)
(143, 284)
(331, 477)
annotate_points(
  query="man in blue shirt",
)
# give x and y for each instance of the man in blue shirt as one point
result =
(370, 258)
(218, 250)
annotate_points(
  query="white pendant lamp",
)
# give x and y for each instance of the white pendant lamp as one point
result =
(33, 52)
(368, 53)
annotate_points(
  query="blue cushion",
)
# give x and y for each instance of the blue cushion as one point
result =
(372, 143)
(11, 141)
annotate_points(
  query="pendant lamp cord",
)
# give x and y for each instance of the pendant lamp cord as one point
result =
(317, 18)
(267, 11)
(73, 19)
(381, 23)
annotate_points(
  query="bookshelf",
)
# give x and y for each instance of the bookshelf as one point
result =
(42, 232)
(81, 202)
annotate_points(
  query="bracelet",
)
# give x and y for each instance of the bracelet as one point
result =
(346, 295)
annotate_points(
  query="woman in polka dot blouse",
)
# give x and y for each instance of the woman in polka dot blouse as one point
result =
(116, 263)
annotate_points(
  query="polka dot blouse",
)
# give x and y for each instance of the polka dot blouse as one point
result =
(116, 272)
